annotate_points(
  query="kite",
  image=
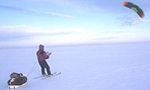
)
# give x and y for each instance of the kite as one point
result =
(135, 8)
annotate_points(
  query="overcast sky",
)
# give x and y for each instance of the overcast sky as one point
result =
(56, 22)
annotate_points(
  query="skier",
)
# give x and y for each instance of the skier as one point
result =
(42, 56)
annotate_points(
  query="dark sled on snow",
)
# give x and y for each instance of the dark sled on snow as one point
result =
(16, 79)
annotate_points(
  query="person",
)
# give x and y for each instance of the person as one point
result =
(42, 56)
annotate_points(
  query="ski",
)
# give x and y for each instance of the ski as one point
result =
(52, 75)
(42, 76)
(45, 76)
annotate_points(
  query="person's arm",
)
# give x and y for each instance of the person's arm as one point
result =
(46, 55)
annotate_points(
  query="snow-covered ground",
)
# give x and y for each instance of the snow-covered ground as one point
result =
(124, 66)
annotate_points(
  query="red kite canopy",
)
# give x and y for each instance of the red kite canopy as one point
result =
(135, 8)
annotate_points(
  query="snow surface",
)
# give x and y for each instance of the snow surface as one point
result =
(120, 66)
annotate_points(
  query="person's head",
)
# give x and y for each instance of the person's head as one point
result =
(41, 47)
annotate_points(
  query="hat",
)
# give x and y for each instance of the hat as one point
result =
(41, 45)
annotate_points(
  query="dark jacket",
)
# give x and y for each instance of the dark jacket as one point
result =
(42, 55)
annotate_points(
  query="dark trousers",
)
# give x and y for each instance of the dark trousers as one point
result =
(44, 65)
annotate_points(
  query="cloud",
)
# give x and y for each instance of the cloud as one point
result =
(17, 32)
(36, 12)
(24, 35)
